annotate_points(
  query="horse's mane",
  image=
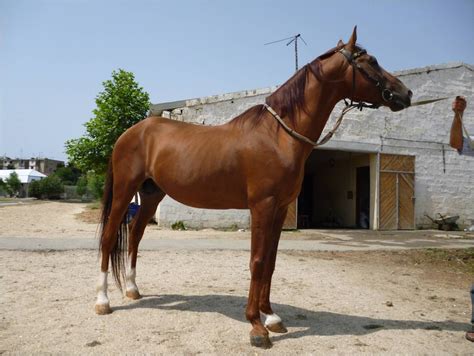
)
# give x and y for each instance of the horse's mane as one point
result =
(254, 112)
(285, 100)
(289, 97)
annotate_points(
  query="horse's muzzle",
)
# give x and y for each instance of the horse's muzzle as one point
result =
(397, 101)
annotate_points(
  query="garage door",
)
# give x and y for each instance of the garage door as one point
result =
(397, 192)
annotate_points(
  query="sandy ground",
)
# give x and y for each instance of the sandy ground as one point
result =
(45, 219)
(194, 301)
(63, 220)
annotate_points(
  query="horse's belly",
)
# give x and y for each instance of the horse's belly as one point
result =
(212, 189)
(206, 196)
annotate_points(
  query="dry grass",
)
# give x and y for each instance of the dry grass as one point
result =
(91, 214)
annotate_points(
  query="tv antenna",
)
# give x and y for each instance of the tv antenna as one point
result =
(293, 39)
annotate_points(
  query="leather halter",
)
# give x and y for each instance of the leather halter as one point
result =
(387, 94)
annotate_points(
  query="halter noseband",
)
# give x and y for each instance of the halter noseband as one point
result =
(386, 94)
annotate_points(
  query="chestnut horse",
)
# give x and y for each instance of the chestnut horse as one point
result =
(247, 163)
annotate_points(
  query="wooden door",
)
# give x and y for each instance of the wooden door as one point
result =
(397, 192)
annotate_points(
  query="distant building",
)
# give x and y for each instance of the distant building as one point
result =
(26, 176)
(43, 165)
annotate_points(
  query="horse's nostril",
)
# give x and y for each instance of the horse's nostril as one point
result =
(410, 93)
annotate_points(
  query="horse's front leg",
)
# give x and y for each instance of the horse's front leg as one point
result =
(272, 321)
(263, 214)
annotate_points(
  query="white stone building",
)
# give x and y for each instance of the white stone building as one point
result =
(381, 170)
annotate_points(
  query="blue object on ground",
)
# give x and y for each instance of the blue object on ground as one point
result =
(132, 211)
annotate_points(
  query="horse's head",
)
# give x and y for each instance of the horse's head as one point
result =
(365, 80)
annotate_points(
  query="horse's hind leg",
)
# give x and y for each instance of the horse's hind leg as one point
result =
(117, 195)
(150, 196)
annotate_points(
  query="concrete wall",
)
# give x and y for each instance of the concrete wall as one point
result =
(442, 185)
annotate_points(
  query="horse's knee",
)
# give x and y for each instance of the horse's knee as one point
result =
(257, 266)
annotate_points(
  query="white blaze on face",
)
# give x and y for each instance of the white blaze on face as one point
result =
(102, 289)
(271, 319)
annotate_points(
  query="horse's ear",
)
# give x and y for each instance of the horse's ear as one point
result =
(340, 43)
(352, 41)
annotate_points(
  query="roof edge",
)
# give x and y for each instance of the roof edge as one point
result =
(433, 68)
(160, 107)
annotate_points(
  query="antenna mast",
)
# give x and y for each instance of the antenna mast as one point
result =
(292, 39)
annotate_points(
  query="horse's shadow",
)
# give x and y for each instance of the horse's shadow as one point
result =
(320, 323)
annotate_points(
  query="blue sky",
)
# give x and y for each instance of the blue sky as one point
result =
(54, 55)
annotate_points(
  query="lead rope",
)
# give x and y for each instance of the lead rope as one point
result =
(299, 136)
(348, 108)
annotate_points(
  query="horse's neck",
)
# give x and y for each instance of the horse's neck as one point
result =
(320, 100)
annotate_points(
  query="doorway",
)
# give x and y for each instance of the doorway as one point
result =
(363, 197)
(343, 189)
(336, 191)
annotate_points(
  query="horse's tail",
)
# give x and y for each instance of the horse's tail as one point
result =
(117, 256)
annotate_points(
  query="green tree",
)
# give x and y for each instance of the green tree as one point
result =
(51, 187)
(95, 184)
(34, 190)
(69, 174)
(120, 105)
(13, 184)
(3, 187)
(81, 187)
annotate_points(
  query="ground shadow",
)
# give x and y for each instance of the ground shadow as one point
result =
(314, 322)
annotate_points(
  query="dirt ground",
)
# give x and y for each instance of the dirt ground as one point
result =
(403, 302)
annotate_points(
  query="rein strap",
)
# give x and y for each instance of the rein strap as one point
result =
(303, 138)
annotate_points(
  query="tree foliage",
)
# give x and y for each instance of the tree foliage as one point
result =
(91, 185)
(81, 187)
(13, 184)
(69, 174)
(34, 190)
(120, 105)
(3, 187)
(50, 187)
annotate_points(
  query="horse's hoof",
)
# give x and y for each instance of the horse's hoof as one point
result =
(133, 294)
(262, 341)
(103, 309)
(277, 328)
